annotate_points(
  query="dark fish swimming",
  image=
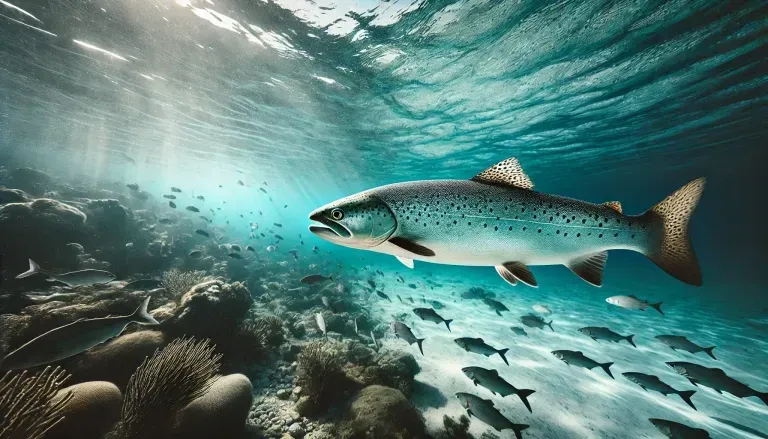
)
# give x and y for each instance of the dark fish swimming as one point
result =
(534, 321)
(651, 382)
(412, 286)
(682, 343)
(382, 295)
(315, 278)
(175, 189)
(73, 278)
(478, 231)
(602, 333)
(263, 190)
(172, 204)
(133, 186)
(166, 221)
(577, 358)
(200, 197)
(478, 346)
(431, 315)
(278, 237)
(142, 285)
(484, 410)
(72, 339)
(193, 209)
(404, 332)
(400, 279)
(519, 331)
(715, 379)
(202, 232)
(240, 182)
(676, 430)
(277, 225)
(372, 283)
(170, 197)
(495, 305)
(490, 379)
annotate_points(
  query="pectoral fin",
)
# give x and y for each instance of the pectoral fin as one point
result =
(590, 267)
(521, 272)
(407, 262)
(407, 244)
(506, 275)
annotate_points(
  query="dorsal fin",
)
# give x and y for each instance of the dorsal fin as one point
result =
(506, 173)
(615, 205)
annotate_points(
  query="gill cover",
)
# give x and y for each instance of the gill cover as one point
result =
(359, 221)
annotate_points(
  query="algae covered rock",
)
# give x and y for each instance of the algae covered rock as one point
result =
(221, 412)
(31, 181)
(382, 412)
(210, 309)
(12, 196)
(92, 411)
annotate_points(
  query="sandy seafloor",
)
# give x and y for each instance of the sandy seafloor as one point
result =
(572, 402)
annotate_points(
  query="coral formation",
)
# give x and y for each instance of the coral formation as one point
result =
(320, 372)
(220, 412)
(380, 411)
(28, 404)
(93, 410)
(177, 282)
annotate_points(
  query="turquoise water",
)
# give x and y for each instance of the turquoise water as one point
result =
(312, 101)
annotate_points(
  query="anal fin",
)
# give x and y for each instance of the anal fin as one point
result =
(590, 267)
(411, 246)
(406, 261)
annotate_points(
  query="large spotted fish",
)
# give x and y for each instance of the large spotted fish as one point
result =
(496, 219)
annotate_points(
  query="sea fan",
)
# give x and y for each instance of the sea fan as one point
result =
(163, 385)
(319, 370)
(177, 282)
(28, 405)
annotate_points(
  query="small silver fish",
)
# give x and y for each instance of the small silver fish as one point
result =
(490, 379)
(431, 315)
(681, 342)
(193, 209)
(170, 197)
(356, 332)
(676, 430)
(315, 278)
(321, 324)
(479, 346)
(73, 278)
(603, 333)
(375, 343)
(72, 339)
(404, 332)
(577, 358)
(632, 302)
(484, 410)
(175, 189)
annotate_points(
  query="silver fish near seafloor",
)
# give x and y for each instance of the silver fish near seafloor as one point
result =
(715, 379)
(404, 332)
(490, 379)
(676, 430)
(577, 358)
(72, 339)
(321, 324)
(496, 219)
(479, 346)
(632, 302)
(73, 278)
(681, 342)
(484, 410)
(651, 382)
(602, 333)
(431, 315)
(534, 321)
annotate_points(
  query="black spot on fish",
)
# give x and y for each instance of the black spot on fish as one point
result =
(565, 234)
(558, 232)
(578, 235)
(615, 235)
(600, 225)
(539, 230)
(600, 235)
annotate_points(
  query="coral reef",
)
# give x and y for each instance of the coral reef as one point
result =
(177, 282)
(28, 404)
(380, 411)
(220, 412)
(93, 409)
(455, 429)
(211, 309)
(163, 385)
(320, 373)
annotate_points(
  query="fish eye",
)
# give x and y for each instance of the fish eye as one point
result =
(337, 214)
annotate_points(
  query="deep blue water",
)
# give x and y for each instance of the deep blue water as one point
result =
(624, 100)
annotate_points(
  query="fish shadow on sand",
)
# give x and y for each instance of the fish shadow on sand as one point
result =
(743, 428)
(425, 395)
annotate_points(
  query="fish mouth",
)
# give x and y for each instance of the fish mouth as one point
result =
(330, 230)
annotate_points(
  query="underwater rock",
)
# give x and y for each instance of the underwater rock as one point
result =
(12, 196)
(381, 412)
(211, 309)
(39, 230)
(395, 369)
(31, 181)
(91, 413)
(221, 412)
(116, 360)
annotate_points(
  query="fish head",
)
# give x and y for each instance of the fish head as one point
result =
(469, 372)
(678, 367)
(360, 221)
(560, 355)
(585, 331)
(463, 399)
(461, 342)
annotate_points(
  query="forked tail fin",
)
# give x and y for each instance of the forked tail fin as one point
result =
(550, 325)
(607, 368)
(33, 269)
(524, 394)
(709, 352)
(686, 395)
(629, 339)
(763, 397)
(448, 323)
(501, 353)
(142, 316)
(657, 307)
(518, 429)
(674, 251)
(419, 341)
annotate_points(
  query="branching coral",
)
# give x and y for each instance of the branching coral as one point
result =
(267, 329)
(178, 282)
(164, 384)
(319, 370)
(28, 407)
